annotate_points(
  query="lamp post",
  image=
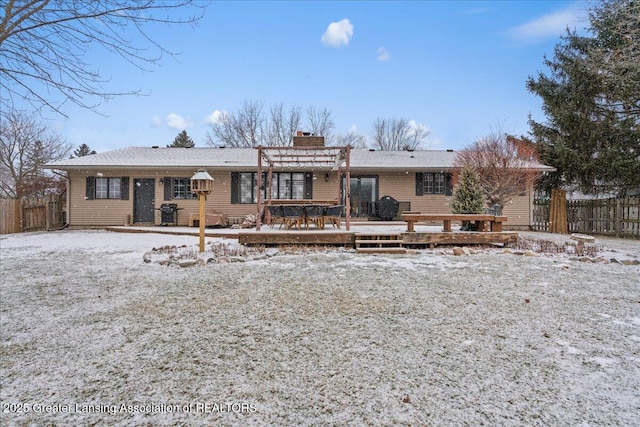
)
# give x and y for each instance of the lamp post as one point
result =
(201, 184)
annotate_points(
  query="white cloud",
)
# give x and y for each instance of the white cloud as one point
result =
(383, 54)
(551, 25)
(215, 117)
(429, 143)
(157, 121)
(416, 127)
(338, 33)
(178, 122)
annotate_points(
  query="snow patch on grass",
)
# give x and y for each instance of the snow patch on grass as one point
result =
(315, 338)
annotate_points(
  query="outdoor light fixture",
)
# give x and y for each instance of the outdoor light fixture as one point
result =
(326, 177)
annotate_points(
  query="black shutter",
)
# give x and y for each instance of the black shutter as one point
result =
(308, 185)
(168, 191)
(419, 184)
(91, 187)
(235, 187)
(124, 188)
(448, 185)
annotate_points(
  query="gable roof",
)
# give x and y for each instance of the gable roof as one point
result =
(247, 158)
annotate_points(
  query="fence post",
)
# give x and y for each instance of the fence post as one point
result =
(21, 215)
(16, 217)
(618, 221)
(558, 212)
(47, 212)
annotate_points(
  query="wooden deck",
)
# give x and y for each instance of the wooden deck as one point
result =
(344, 238)
(336, 237)
(349, 238)
(459, 238)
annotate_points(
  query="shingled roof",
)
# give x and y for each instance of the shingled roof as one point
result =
(247, 158)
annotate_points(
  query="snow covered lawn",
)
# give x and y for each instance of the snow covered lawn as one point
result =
(92, 335)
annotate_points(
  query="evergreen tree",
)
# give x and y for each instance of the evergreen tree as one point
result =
(467, 196)
(182, 141)
(83, 150)
(591, 100)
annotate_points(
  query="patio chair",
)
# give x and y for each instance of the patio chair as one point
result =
(332, 214)
(293, 216)
(315, 215)
(276, 215)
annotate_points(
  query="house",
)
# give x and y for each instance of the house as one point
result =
(129, 185)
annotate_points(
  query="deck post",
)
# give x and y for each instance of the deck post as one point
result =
(348, 187)
(259, 185)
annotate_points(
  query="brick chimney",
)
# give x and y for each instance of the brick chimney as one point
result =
(306, 139)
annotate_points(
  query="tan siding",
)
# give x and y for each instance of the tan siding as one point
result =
(323, 190)
(399, 185)
(82, 212)
(518, 211)
(86, 213)
(402, 187)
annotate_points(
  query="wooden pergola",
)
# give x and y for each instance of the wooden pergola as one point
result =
(316, 158)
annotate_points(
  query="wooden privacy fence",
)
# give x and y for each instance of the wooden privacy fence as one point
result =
(31, 214)
(617, 217)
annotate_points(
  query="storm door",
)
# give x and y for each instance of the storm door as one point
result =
(143, 200)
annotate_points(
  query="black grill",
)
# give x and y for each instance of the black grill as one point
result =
(169, 214)
(387, 208)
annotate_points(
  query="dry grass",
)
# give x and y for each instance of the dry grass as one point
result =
(549, 247)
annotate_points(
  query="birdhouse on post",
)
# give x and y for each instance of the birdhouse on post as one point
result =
(201, 184)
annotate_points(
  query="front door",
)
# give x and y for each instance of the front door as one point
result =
(364, 191)
(143, 200)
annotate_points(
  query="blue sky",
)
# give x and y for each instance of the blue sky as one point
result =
(457, 68)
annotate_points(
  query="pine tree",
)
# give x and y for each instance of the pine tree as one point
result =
(467, 196)
(83, 150)
(591, 101)
(182, 141)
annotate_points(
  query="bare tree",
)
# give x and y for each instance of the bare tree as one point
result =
(26, 145)
(398, 134)
(241, 129)
(44, 43)
(504, 164)
(250, 122)
(320, 122)
(281, 125)
(249, 126)
(222, 132)
(353, 139)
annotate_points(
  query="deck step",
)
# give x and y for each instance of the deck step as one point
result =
(379, 243)
(381, 250)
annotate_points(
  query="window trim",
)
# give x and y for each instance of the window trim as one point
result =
(111, 188)
(188, 194)
(422, 187)
(306, 178)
